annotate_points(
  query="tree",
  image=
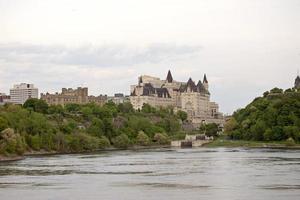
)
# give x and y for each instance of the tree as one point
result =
(276, 91)
(182, 115)
(125, 107)
(3, 124)
(161, 138)
(211, 129)
(231, 125)
(122, 141)
(37, 105)
(142, 139)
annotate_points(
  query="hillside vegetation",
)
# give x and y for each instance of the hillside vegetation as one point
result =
(273, 117)
(78, 128)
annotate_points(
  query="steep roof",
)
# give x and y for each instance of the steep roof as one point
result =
(205, 79)
(297, 82)
(169, 77)
(201, 88)
(191, 85)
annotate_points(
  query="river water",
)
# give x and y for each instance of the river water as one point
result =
(202, 173)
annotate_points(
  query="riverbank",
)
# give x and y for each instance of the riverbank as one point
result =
(48, 153)
(252, 144)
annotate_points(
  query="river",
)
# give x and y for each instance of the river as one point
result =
(220, 173)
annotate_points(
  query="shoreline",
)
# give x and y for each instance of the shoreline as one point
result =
(215, 144)
(251, 144)
(50, 153)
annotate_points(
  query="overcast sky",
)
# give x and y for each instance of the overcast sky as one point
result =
(244, 46)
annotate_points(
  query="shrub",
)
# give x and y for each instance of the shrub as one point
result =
(121, 141)
(104, 142)
(142, 139)
(11, 143)
(161, 138)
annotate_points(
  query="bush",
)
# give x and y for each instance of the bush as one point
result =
(142, 139)
(104, 142)
(290, 142)
(122, 141)
(3, 123)
(11, 143)
(161, 138)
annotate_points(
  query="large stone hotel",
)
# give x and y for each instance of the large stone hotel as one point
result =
(186, 96)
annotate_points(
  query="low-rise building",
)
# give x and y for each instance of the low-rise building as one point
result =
(4, 98)
(118, 98)
(76, 96)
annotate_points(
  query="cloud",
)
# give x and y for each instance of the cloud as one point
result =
(96, 56)
(104, 69)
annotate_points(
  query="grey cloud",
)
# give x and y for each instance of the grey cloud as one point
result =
(100, 56)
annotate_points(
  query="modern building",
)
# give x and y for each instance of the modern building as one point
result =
(21, 92)
(77, 96)
(186, 96)
(4, 99)
(118, 98)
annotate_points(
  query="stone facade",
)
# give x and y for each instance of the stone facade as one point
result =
(77, 96)
(187, 96)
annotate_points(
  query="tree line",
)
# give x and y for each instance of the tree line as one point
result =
(36, 126)
(273, 117)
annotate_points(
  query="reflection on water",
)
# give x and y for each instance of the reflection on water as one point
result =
(156, 174)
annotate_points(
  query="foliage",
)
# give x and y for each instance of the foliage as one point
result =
(11, 143)
(77, 128)
(182, 115)
(142, 139)
(161, 138)
(121, 141)
(273, 117)
(211, 129)
(36, 105)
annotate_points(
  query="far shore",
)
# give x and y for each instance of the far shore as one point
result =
(214, 144)
(49, 153)
(252, 144)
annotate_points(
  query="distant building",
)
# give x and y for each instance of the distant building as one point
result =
(77, 96)
(4, 99)
(21, 92)
(187, 96)
(297, 82)
(118, 98)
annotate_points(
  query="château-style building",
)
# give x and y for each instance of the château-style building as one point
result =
(77, 96)
(186, 96)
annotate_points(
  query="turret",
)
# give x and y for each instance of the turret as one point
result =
(297, 82)
(169, 77)
(205, 82)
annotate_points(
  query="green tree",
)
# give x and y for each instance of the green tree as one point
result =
(121, 141)
(182, 115)
(211, 129)
(37, 105)
(3, 124)
(161, 138)
(142, 139)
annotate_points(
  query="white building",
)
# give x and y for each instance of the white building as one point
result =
(187, 96)
(118, 98)
(21, 92)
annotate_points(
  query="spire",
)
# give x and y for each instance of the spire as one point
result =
(169, 77)
(205, 79)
